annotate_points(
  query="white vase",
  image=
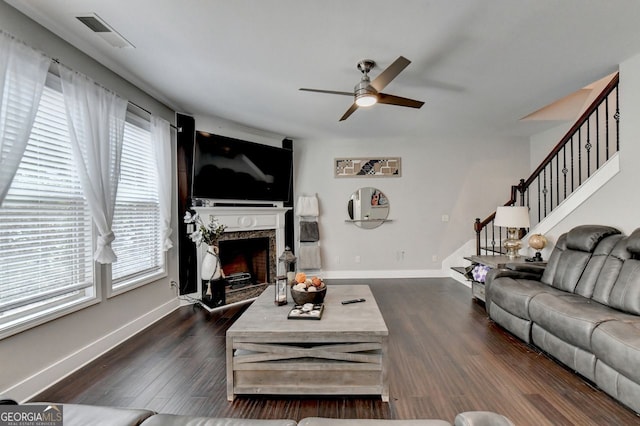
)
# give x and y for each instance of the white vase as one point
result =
(210, 268)
(213, 287)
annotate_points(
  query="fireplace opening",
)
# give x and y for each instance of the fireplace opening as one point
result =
(245, 261)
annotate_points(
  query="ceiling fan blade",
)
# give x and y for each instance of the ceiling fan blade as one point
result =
(383, 98)
(350, 111)
(391, 72)
(331, 92)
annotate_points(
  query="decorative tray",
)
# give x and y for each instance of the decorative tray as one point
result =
(308, 311)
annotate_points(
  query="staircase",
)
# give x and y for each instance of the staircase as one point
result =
(588, 145)
(584, 149)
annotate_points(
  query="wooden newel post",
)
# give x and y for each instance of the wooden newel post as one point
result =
(477, 227)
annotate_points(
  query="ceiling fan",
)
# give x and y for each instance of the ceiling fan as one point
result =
(367, 92)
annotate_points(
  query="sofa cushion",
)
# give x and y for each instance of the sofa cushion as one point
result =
(571, 255)
(610, 272)
(514, 295)
(586, 237)
(633, 244)
(617, 343)
(321, 421)
(554, 259)
(565, 266)
(517, 326)
(577, 359)
(618, 386)
(625, 293)
(571, 318)
(604, 265)
(175, 420)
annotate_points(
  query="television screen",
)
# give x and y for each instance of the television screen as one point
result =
(233, 169)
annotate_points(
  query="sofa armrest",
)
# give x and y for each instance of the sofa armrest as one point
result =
(81, 414)
(524, 275)
(494, 274)
(482, 418)
(5, 400)
(534, 268)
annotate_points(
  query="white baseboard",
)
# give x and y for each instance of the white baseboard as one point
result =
(395, 273)
(38, 382)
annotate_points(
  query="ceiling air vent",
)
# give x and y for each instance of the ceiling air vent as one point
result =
(103, 30)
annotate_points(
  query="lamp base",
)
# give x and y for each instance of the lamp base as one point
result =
(512, 244)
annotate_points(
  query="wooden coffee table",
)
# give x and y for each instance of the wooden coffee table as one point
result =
(344, 353)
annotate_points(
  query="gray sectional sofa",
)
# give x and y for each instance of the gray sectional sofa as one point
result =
(583, 308)
(83, 415)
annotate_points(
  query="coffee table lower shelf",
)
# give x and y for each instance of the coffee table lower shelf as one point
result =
(353, 368)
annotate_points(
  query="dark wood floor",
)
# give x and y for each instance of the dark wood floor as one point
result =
(446, 357)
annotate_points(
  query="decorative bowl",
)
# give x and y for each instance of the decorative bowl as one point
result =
(302, 297)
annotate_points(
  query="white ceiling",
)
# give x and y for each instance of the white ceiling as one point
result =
(480, 65)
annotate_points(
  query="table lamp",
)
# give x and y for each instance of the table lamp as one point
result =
(513, 218)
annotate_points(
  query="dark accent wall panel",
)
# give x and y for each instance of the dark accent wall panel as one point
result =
(288, 217)
(187, 256)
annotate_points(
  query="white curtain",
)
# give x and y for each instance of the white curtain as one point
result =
(161, 145)
(96, 126)
(23, 72)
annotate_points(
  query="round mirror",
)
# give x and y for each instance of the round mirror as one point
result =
(368, 207)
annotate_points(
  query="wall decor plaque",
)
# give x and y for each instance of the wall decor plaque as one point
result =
(367, 167)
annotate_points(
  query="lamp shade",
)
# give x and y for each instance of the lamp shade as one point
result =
(512, 217)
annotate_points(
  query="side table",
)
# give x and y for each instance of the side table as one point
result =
(493, 262)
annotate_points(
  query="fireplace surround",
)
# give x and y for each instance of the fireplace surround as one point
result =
(255, 237)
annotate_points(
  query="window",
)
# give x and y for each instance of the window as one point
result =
(136, 222)
(47, 233)
(46, 240)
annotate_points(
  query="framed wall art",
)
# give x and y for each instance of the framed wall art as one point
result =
(367, 167)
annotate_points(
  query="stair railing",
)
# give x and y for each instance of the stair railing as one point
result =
(590, 142)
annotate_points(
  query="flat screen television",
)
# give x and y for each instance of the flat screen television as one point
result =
(233, 169)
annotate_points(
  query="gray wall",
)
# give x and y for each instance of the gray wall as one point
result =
(462, 179)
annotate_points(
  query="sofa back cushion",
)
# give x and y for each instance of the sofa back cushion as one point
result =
(571, 255)
(604, 266)
(610, 272)
(624, 293)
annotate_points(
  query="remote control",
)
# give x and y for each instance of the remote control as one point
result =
(346, 302)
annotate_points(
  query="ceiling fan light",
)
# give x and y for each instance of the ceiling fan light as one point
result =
(366, 99)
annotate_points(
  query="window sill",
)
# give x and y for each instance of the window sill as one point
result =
(136, 282)
(36, 318)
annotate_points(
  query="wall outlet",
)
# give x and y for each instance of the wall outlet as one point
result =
(445, 218)
(357, 259)
(434, 258)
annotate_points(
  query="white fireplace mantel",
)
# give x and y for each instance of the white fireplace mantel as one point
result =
(248, 219)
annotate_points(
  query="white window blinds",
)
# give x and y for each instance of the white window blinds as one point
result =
(136, 222)
(45, 225)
